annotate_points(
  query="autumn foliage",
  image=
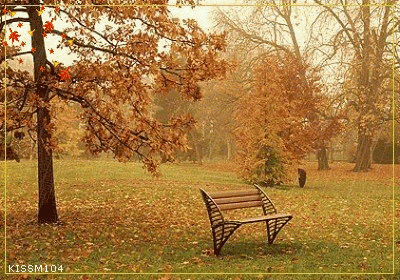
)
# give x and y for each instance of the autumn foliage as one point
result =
(280, 120)
(119, 71)
(126, 54)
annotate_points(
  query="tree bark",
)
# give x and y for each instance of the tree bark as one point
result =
(322, 157)
(364, 153)
(47, 212)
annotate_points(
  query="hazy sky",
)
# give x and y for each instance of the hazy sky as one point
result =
(203, 14)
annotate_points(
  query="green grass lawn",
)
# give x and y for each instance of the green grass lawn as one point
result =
(119, 219)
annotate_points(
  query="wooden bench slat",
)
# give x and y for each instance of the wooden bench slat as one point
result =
(240, 205)
(233, 193)
(236, 199)
(264, 218)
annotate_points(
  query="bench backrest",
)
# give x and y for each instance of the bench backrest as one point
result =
(236, 199)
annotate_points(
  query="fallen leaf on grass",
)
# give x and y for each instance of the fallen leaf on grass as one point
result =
(207, 252)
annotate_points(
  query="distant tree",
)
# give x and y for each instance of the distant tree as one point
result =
(212, 135)
(169, 105)
(8, 151)
(386, 149)
(277, 119)
(274, 27)
(215, 115)
(69, 131)
(363, 34)
(119, 69)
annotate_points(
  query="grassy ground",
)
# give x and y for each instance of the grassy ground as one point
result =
(119, 219)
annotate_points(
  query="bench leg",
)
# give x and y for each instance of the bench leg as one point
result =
(221, 234)
(274, 226)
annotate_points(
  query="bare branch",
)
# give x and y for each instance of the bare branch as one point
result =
(12, 20)
(355, 44)
(9, 56)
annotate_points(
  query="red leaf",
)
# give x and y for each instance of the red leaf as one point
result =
(33, 50)
(48, 26)
(23, 44)
(20, 24)
(14, 35)
(42, 69)
(64, 75)
(20, 60)
(51, 51)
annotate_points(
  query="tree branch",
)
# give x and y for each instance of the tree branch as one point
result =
(90, 29)
(13, 20)
(8, 56)
(353, 42)
(113, 52)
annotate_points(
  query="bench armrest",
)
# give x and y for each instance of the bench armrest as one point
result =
(214, 213)
(267, 205)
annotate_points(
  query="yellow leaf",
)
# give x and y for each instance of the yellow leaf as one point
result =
(31, 32)
(39, 12)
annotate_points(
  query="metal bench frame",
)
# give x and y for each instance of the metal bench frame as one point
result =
(237, 199)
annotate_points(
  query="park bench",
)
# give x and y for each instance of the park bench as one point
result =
(222, 229)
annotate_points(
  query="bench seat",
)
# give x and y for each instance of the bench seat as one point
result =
(261, 219)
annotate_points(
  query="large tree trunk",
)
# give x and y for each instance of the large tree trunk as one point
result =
(364, 152)
(322, 157)
(47, 202)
